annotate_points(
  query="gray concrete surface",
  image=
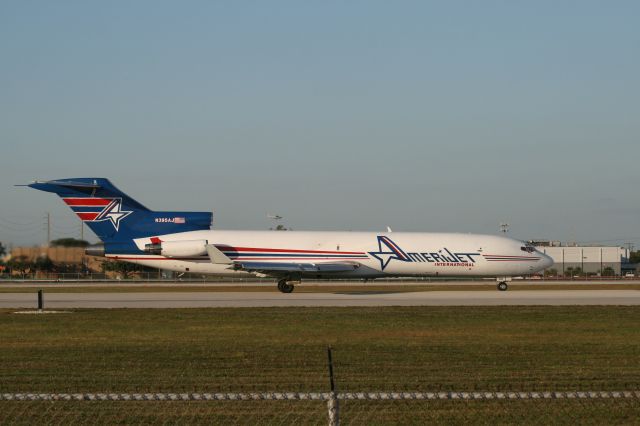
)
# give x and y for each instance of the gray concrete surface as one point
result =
(271, 299)
(306, 283)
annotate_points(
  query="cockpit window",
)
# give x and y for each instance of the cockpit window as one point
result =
(528, 248)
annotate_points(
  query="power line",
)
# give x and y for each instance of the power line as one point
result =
(31, 232)
(10, 225)
(63, 227)
(11, 222)
(11, 228)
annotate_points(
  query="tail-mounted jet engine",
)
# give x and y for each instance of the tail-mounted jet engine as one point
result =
(190, 248)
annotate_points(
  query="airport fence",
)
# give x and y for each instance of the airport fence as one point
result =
(392, 365)
(96, 277)
(203, 279)
(324, 408)
(340, 402)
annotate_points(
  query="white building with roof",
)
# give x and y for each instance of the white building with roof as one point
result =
(589, 259)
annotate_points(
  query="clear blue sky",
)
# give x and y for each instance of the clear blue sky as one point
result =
(449, 116)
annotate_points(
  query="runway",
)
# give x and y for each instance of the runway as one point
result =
(349, 298)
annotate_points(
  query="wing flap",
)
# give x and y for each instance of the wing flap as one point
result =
(266, 267)
(217, 256)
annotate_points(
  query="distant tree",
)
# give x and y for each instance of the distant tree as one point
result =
(21, 264)
(608, 272)
(69, 268)
(573, 271)
(551, 272)
(44, 264)
(634, 256)
(3, 251)
(118, 266)
(280, 227)
(69, 242)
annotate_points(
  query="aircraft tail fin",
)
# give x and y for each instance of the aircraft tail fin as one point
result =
(116, 217)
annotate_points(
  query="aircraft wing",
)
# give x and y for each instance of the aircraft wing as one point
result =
(278, 268)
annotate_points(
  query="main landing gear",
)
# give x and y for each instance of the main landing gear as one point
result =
(284, 286)
(502, 286)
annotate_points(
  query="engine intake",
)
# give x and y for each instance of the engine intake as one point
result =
(94, 250)
(178, 248)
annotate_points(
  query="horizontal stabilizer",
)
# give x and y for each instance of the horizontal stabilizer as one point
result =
(72, 184)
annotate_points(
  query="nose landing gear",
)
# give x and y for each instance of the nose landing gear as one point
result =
(502, 283)
(284, 286)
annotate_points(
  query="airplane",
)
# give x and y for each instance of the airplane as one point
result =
(185, 242)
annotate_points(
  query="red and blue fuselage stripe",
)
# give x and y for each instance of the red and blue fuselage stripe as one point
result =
(233, 255)
(226, 248)
(505, 258)
(246, 253)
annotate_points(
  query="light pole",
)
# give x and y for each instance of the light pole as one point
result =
(504, 227)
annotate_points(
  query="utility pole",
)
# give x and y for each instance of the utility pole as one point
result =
(276, 218)
(48, 228)
(332, 403)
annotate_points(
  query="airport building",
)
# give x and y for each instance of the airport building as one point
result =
(597, 260)
(58, 255)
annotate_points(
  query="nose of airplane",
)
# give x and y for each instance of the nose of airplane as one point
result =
(547, 261)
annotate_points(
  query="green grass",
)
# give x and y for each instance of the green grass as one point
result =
(284, 349)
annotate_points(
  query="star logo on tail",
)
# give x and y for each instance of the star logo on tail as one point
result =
(387, 251)
(113, 212)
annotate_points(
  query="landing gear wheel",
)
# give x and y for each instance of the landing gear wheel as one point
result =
(502, 286)
(284, 286)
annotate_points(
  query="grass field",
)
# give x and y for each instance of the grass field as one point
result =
(284, 349)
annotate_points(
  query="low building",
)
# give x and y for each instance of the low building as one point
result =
(59, 255)
(587, 259)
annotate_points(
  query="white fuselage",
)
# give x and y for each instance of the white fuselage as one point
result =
(376, 254)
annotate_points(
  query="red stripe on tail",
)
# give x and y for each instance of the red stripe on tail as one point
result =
(86, 201)
(87, 216)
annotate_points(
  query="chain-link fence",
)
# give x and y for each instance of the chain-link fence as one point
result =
(192, 277)
(332, 407)
(323, 408)
(403, 365)
(160, 277)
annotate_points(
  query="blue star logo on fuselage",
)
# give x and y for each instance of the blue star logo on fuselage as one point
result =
(389, 252)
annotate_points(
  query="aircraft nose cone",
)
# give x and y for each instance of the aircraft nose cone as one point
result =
(547, 261)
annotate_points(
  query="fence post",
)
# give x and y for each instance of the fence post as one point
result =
(332, 404)
(40, 301)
